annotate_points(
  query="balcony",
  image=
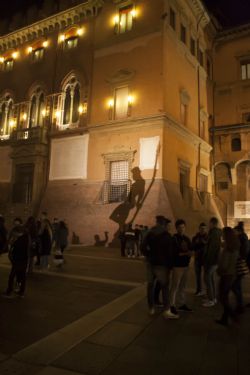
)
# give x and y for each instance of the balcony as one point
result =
(30, 135)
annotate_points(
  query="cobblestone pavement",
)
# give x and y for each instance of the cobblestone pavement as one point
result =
(91, 318)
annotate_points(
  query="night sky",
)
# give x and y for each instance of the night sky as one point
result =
(228, 12)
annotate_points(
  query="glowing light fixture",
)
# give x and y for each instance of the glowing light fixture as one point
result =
(80, 31)
(130, 99)
(1, 59)
(111, 103)
(15, 55)
(57, 114)
(12, 123)
(62, 38)
(44, 112)
(45, 44)
(116, 19)
(134, 13)
(24, 116)
(29, 49)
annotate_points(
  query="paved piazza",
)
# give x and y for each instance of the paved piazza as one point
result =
(91, 318)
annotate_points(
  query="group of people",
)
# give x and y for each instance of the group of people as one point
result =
(30, 244)
(131, 240)
(223, 252)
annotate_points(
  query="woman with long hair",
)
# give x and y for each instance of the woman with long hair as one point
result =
(227, 270)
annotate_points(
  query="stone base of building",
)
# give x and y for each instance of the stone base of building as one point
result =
(80, 205)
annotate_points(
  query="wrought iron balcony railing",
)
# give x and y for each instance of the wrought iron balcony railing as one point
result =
(32, 135)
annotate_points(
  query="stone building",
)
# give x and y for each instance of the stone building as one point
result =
(104, 115)
(231, 130)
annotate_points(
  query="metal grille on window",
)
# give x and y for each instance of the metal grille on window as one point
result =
(117, 188)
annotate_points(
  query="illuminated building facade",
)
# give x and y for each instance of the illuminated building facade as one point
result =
(104, 115)
(231, 130)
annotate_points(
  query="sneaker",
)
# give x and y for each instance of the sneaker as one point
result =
(173, 310)
(185, 308)
(200, 294)
(167, 314)
(151, 311)
(208, 304)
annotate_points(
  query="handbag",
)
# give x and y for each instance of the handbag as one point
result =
(241, 267)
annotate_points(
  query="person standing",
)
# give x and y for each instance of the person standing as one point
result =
(31, 227)
(211, 258)
(130, 241)
(62, 234)
(198, 244)
(242, 268)
(182, 255)
(3, 235)
(227, 272)
(137, 239)
(158, 250)
(18, 254)
(45, 235)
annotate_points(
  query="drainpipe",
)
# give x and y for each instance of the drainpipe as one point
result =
(198, 94)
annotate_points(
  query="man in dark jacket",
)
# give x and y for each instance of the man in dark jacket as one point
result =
(211, 258)
(182, 256)
(158, 250)
(199, 244)
(18, 254)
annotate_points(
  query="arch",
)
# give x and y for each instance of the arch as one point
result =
(71, 99)
(246, 160)
(7, 110)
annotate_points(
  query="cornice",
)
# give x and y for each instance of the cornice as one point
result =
(233, 33)
(157, 121)
(200, 12)
(58, 21)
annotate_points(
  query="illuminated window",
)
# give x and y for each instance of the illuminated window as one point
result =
(192, 46)
(8, 65)
(125, 19)
(121, 102)
(245, 70)
(71, 42)
(6, 117)
(70, 104)
(236, 143)
(183, 34)
(38, 54)
(172, 19)
(37, 108)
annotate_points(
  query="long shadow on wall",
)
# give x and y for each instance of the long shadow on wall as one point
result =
(133, 202)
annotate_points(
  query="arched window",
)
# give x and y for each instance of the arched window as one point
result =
(37, 108)
(76, 104)
(32, 121)
(71, 102)
(6, 116)
(41, 109)
(236, 144)
(67, 106)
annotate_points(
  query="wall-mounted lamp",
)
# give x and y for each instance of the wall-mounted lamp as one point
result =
(45, 44)
(29, 49)
(80, 31)
(2, 59)
(24, 117)
(15, 55)
(61, 38)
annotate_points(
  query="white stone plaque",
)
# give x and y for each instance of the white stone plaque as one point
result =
(5, 164)
(69, 158)
(242, 209)
(148, 151)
